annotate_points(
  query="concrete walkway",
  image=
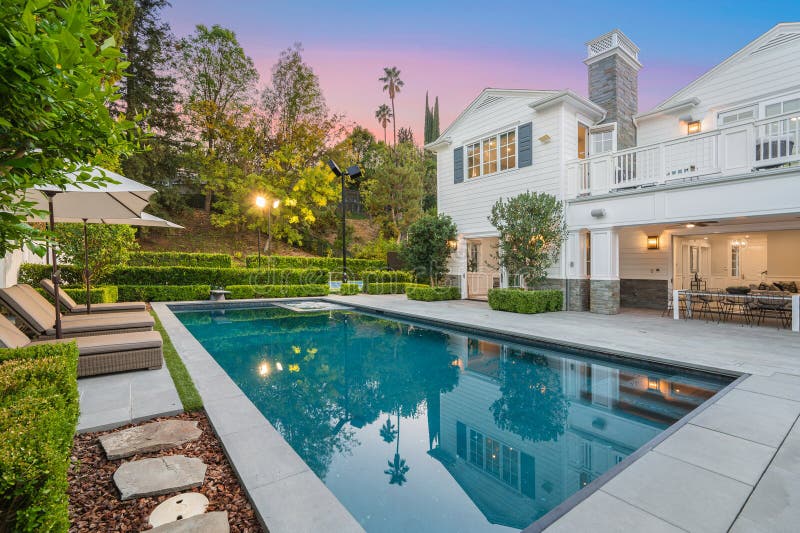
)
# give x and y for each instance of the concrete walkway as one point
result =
(735, 466)
(115, 400)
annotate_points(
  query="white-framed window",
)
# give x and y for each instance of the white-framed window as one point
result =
(743, 114)
(736, 253)
(492, 154)
(602, 142)
(788, 105)
(494, 457)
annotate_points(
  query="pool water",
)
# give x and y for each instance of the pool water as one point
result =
(415, 428)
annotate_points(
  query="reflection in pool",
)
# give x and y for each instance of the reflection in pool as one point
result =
(418, 429)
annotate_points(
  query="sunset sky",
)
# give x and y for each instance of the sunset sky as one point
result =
(454, 50)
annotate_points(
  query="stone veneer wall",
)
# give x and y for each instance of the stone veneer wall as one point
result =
(643, 293)
(614, 86)
(578, 294)
(604, 296)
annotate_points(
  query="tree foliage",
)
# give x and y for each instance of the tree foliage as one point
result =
(428, 247)
(59, 63)
(392, 84)
(109, 246)
(532, 230)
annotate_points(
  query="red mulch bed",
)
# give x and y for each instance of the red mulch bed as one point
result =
(94, 503)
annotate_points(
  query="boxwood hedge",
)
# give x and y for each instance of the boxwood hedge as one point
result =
(106, 294)
(163, 293)
(386, 276)
(528, 302)
(239, 292)
(355, 266)
(390, 287)
(432, 294)
(38, 417)
(348, 289)
(180, 259)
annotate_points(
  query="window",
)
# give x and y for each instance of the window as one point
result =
(737, 115)
(475, 448)
(735, 255)
(508, 150)
(602, 142)
(489, 155)
(493, 457)
(510, 466)
(778, 108)
(483, 156)
(474, 160)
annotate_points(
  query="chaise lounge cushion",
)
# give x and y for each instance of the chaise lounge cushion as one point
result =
(76, 308)
(118, 342)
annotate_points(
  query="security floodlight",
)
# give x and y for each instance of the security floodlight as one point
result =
(334, 167)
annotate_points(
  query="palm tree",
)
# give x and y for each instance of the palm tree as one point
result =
(392, 83)
(384, 115)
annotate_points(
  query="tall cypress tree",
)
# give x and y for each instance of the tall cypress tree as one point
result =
(435, 126)
(428, 121)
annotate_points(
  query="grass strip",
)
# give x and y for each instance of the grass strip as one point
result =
(190, 398)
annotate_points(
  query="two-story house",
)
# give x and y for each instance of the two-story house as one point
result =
(704, 188)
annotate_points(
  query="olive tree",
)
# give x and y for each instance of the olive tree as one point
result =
(532, 230)
(428, 247)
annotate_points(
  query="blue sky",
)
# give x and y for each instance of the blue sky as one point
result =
(454, 50)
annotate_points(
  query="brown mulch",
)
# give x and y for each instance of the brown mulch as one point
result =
(94, 503)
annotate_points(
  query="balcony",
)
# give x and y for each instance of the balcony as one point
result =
(728, 151)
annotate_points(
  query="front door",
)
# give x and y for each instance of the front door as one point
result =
(483, 273)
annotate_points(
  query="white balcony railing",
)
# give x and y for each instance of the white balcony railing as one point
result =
(737, 149)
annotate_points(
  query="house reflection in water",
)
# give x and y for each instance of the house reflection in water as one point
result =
(526, 428)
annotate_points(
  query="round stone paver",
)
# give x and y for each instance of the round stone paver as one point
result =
(216, 522)
(146, 438)
(161, 475)
(178, 507)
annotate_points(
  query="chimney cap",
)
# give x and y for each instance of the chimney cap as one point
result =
(612, 40)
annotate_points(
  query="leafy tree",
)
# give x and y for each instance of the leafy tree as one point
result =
(392, 84)
(384, 115)
(218, 78)
(58, 68)
(428, 248)
(109, 246)
(532, 229)
(429, 181)
(405, 135)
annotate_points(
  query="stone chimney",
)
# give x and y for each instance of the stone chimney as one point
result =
(613, 64)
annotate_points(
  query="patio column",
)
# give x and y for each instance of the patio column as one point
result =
(604, 284)
(577, 284)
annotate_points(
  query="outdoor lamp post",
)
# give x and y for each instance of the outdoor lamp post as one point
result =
(273, 205)
(260, 203)
(354, 172)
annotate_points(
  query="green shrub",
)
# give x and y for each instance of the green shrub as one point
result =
(390, 288)
(432, 294)
(106, 294)
(163, 293)
(180, 259)
(216, 277)
(354, 266)
(386, 276)
(38, 417)
(33, 273)
(528, 302)
(239, 292)
(348, 289)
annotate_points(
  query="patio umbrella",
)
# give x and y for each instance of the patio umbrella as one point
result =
(123, 199)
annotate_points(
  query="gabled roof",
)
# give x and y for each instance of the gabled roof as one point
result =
(486, 97)
(777, 35)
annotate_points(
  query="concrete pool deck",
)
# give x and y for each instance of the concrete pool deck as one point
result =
(734, 465)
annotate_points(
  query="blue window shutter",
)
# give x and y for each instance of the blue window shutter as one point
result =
(525, 145)
(458, 165)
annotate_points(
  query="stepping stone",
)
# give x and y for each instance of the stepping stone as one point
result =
(161, 475)
(152, 437)
(178, 507)
(216, 522)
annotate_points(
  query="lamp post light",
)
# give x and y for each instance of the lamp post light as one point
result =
(354, 172)
(260, 203)
(273, 205)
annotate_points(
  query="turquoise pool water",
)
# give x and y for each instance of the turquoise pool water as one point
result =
(420, 429)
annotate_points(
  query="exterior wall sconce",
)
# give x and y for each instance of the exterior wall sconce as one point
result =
(453, 244)
(693, 127)
(652, 243)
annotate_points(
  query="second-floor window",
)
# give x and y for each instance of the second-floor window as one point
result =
(602, 142)
(492, 154)
(778, 108)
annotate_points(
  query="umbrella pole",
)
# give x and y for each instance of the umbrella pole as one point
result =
(86, 269)
(56, 277)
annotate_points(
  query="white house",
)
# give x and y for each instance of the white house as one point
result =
(704, 186)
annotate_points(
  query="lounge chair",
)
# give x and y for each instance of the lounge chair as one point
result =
(75, 308)
(102, 354)
(38, 315)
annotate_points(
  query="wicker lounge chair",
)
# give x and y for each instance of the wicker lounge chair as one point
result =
(75, 308)
(38, 316)
(100, 354)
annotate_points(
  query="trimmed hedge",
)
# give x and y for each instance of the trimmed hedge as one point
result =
(327, 263)
(390, 288)
(432, 294)
(528, 302)
(106, 294)
(180, 259)
(239, 292)
(38, 417)
(348, 289)
(216, 277)
(33, 273)
(387, 276)
(163, 293)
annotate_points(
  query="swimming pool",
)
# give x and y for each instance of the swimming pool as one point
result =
(415, 427)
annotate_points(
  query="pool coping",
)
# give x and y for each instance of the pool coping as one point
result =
(539, 525)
